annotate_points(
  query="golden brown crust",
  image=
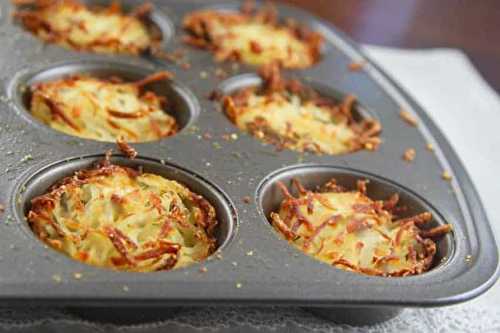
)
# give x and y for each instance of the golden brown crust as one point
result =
(350, 231)
(253, 36)
(104, 109)
(125, 148)
(72, 24)
(116, 217)
(290, 115)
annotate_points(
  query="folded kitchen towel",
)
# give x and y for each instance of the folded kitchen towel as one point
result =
(466, 109)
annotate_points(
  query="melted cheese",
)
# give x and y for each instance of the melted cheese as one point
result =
(235, 33)
(96, 109)
(112, 218)
(366, 241)
(308, 126)
(72, 25)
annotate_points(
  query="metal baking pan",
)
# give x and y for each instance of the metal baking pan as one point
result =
(255, 266)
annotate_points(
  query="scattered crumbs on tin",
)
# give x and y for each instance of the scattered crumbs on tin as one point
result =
(192, 129)
(220, 73)
(57, 278)
(356, 66)
(203, 74)
(234, 136)
(239, 285)
(234, 263)
(219, 256)
(185, 65)
(409, 154)
(271, 153)
(77, 276)
(26, 158)
(126, 288)
(208, 164)
(368, 146)
(9, 219)
(216, 145)
(446, 176)
(429, 147)
(207, 136)
(247, 199)
(250, 253)
(236, 154)
(408, 118)
(10, 152)
(203, 269)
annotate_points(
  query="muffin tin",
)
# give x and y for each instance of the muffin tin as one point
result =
(236, 172)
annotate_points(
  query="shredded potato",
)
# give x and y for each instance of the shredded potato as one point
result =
(289, 115)
(115, 217)
(102, 109)
(255, 38)
(347, 229)
(72, 24)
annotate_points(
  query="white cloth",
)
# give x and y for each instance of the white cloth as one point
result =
(467, 110)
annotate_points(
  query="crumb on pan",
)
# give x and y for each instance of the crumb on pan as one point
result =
(74, 25)
(408, 118)
(409, 154)
(446, 176)
(347, 229)
(253, 36)
(57, 278)
(288, 114)
(356, 66)
(125, 148)
(104, 109)
(120, 218)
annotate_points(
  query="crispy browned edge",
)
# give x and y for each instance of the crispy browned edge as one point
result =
(367, 130)
(45, 202)
(140, 84)
(28, 15)
(306, 197)
(200, 36)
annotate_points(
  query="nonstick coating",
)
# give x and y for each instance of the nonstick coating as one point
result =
(255, 266)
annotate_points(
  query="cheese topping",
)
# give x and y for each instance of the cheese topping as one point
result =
(71, 24)
(254, 39)
(350, 231)
(103, 110)
(116, 217)
(291, 116)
